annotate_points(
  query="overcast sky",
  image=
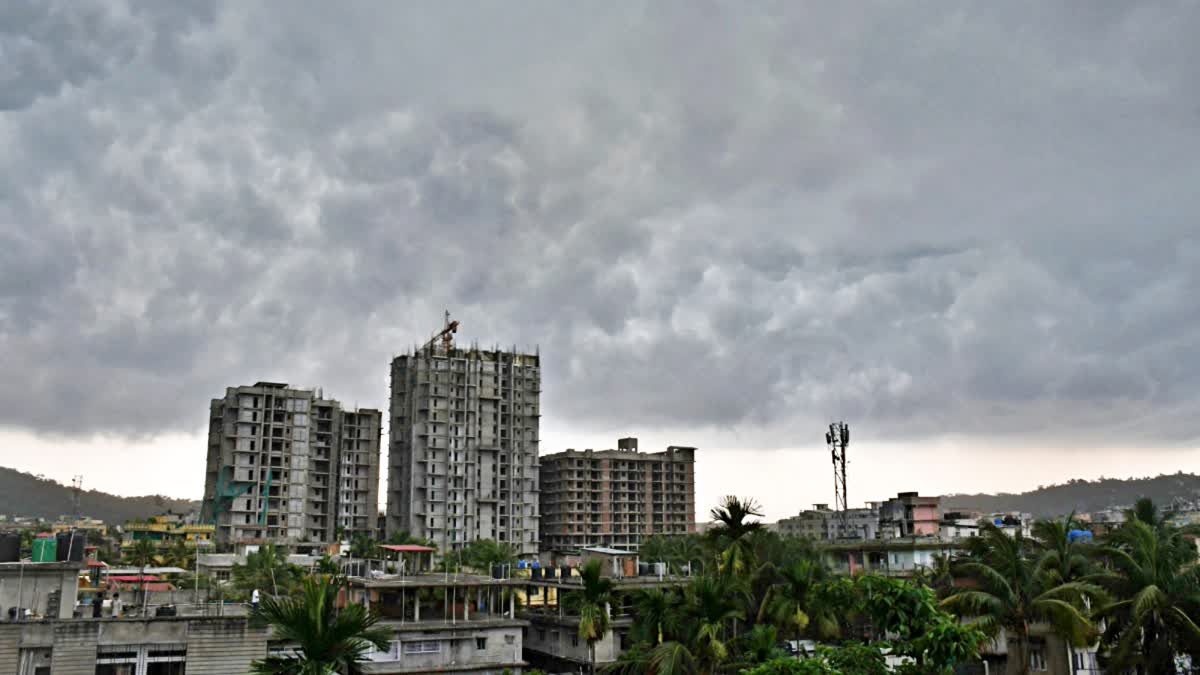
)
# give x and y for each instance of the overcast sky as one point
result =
(972, 233)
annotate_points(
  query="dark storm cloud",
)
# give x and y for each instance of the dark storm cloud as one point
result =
(979, 222)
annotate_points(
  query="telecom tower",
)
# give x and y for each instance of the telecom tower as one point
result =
(837, 438)
(76, 492)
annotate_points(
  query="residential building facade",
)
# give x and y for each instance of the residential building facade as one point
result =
(910, 515)
(824, 524)
(616, 498)
(136, 646)
(286, 465)
(463, 454)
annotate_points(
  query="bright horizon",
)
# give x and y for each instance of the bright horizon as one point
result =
(792, 480)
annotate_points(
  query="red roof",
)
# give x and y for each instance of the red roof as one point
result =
(133, 578)
(406, 548)
(96, 563)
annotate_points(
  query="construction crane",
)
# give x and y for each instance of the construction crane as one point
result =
(446, 336)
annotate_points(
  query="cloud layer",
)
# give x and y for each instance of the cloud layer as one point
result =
(706, 216)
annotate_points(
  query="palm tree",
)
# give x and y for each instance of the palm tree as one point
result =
(657, 614)
(179, 554)
(732, 529)
(326, 565)
(143, 553)
(796, 605)
(592, 603)
(1063, 559)
(711, 605)
(326, 641)
(363, 546)
(760, 645)
(1011, 593)
(266, 568)
(1157, 597)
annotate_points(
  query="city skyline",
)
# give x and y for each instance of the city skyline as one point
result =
(968, 234)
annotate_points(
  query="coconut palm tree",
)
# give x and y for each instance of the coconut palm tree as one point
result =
(326, 640)
(143, 554)
(797, 606)
(592, 603)
(731, 531)
(1062, 558)
(1156, 590)
(1010, 593)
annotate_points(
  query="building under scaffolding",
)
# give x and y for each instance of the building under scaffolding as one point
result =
(286, 465)
(463, 455)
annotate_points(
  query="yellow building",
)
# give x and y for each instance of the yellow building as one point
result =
(167, 530)
(90, 525)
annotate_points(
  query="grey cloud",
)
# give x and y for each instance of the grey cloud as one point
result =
(753, 219)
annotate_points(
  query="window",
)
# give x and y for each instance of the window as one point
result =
(1037, 659)
(422, 647)
(480, 643)
(158, 659)
(542, 634)
(35, 661)
(575, 639)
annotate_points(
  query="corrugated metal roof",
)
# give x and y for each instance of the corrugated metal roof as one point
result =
(607, 551)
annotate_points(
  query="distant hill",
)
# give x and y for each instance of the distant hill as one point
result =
(23, 494)
(1082, 495)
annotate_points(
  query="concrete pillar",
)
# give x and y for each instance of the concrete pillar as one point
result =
(416, 604)
(467, 605)
(512, 606)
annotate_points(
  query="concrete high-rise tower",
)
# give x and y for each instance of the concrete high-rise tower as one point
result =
(463, 454)
(288, 466)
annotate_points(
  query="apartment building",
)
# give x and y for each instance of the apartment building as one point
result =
(463, 454)
(616, 498)
(286, 465)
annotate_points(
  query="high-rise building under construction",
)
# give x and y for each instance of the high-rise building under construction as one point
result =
(463, 453)
(288, 466)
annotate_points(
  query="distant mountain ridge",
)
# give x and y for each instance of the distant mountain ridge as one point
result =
(1083, 496)
(23, 494)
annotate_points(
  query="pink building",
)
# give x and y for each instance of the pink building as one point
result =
(910, 515)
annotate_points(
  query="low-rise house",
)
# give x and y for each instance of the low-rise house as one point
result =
(908, 514)
(552, 642)
(890, 557)
(443, 623)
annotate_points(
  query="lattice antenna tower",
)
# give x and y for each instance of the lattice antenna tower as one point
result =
(76, 493)
(837, 438)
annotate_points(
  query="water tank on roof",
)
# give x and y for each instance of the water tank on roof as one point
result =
(520, 564)
(10, 547)
(44, 549)
(998, 522)
(1079, 535)
(70, 546)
